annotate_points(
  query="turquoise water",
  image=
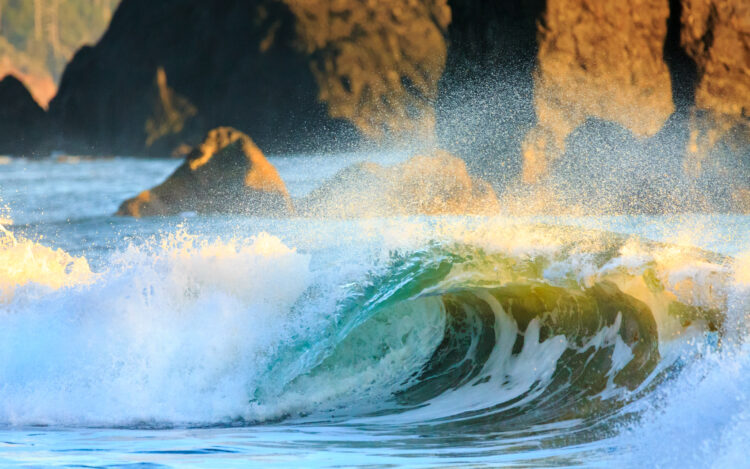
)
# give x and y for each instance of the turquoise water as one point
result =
(221, 341)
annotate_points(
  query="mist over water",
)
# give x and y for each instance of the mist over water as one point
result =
(604, 168)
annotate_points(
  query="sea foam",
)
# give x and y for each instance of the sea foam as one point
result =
(175, 332)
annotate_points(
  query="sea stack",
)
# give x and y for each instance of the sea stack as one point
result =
(227, 173)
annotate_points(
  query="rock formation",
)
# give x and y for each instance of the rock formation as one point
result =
(235, 62)
(227, 173)
(598, 59)
(423, 185)
(716, 35)
(171, 112)
(37, 80)
(377, 64)
(22, 120)
(313, 72)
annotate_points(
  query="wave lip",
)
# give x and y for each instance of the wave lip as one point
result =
(523, 343)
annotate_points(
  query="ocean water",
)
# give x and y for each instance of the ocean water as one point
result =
(196, 341)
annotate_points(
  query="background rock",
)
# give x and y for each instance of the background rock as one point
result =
(39, 37)
(313, 72)
(22, 120)
(236, 62)
(598, 59)
(716, 35)
(377, 64)
(486, 98)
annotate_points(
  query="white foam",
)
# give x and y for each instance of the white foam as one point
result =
(172, 333)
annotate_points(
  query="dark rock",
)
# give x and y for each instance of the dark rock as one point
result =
(22, 120)
(235, 62)
(297, 76)
(485, 103)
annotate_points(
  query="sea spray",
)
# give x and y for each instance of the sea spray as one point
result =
(170, 334)
(25, 263)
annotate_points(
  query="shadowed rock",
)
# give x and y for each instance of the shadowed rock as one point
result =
(22, 121)
(226, 173)
(316, 72)
(220, 63)
(423, 185)
(486, 96)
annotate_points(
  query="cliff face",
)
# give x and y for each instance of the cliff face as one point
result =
(296, 75)
(485, 103)
(232, 62)
(377, 64)
(598, 59)
(594, 101)
(716, 35)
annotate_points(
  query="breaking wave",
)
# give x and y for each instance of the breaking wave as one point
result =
(517, 329)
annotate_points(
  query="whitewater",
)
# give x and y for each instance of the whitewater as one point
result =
(216, 341)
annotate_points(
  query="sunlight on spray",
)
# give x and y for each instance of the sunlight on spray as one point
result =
(24, 262)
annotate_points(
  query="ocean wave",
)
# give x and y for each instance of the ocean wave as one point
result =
(503, 328)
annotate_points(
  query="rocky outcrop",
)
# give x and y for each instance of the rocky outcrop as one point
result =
(716, 35)
(438, 184)
(36, 78)
(235, 62)
(227, 173)
(171, 112)
(662, 78)
(377, 64)
(315, 72)
(598, 59)
(22, 120)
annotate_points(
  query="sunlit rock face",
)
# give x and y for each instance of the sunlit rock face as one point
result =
(377, 64)
(597, 59)
(436, 184)
(321, 74)
(22, 121)
(227, 173)
(716, 35)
